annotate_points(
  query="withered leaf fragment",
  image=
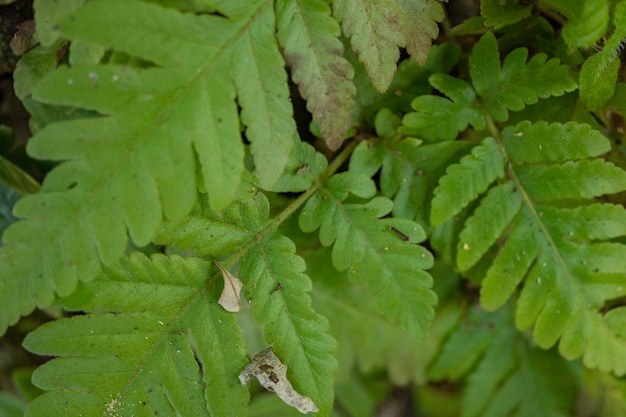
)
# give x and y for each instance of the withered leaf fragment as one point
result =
(230, 299)
(272, 375)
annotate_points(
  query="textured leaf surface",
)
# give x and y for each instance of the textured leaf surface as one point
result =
(365, 244)
(557, 251)
(421, 26)
(127, 170)
(598, 77)
(376, 30)
(505, 374)
(309, 36)
(516, 83)
(275, 285)
(165, 345)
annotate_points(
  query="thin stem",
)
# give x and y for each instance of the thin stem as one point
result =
(295, 204)
(298, 202)
(491, 125)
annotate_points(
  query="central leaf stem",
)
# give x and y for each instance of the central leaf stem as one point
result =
(274, 223)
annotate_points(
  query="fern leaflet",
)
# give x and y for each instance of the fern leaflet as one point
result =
(517, 82)
(421, 26)
(437, 118)
(164, 345)
(568, 272)
(390, 263)
(365, 338)
(315, 53)
(504, 374)
(376, 32)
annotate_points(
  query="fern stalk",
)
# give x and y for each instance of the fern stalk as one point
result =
(275, 222)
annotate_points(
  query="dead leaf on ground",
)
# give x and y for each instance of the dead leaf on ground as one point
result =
(230, 299)
(272, 375)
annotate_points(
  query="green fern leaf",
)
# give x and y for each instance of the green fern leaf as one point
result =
(437, 118)
(304, 167)
(505, 375)
(516, 83)
(466, 180)
(599, 73)
(542, 142)
(487, 223)
(134, 166)
(275, 286)
(568, 274)
(165, 345)
(499, 13)
(598, 77)
(588, 25)
(376, 30)
(315, 53)
(421, 26)
(572, 180)
(379, 252)
(213, 234)
(365, 338)
(49, 15)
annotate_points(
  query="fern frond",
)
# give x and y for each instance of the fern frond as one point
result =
(551, 235)
(515, 83)
(309, 36)
(505, 375)
(164, 345)
(277, 289)
(376, 30)
(135, 165)
(437, 118)
(275, 285)
(389, 263)
(365, 338)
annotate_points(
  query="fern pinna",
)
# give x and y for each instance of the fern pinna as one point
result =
(531, 191)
